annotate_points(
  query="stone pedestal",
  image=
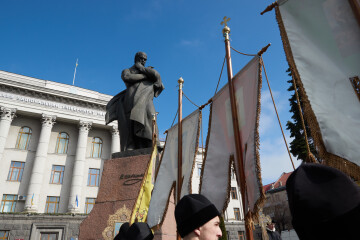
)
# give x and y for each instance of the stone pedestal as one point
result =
(119, 188)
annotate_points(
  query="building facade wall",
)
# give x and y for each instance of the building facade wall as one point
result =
(32, 100)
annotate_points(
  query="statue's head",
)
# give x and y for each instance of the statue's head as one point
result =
(141, 57)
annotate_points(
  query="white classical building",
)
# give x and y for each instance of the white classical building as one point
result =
(53, 144)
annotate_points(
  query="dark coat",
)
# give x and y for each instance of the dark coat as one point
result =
(273, 235)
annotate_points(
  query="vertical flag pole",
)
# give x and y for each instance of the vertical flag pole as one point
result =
(238, 148)
(154, 130)
(75, 71)
(179, 176)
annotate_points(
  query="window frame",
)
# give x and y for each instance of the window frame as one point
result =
(88, 204)
(233, 193)
(49, 202)
(49, 233)
(237, 214)
(20, 171)
(4, 202)
(97, 177)
(20, 135)
(99, 145)
(4, 236)
(199, 169)
(54, 172)
(241, 235)
(66, 138)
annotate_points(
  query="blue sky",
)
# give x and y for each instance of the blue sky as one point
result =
(43, 39)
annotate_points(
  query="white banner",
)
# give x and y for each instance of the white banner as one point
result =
(167, 174)
(215, 182)
(324, 39)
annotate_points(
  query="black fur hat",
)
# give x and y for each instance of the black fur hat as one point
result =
(139, 231)
(324, 203)
(193, 211)
(122, 232)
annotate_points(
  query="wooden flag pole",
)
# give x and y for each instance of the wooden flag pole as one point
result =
(154, 130)
(179, 178)
(237, 137)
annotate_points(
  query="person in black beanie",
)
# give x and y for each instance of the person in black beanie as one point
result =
(324, 203)
(137, 231)
(197, 218)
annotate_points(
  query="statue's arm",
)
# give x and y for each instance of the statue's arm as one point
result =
(150, 72)
(127, 76)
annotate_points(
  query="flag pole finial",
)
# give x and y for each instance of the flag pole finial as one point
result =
(226, 29)
(181, 82)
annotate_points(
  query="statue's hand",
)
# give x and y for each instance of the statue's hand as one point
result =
(140, 67)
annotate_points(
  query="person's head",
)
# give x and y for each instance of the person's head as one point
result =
(324, 203)
(141, 57)
(122, 232)
(271, 225)
(137, 231)
(197, 217)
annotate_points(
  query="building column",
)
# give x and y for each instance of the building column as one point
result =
(36, 178)
(78, 172)
(115, 140)
(7, 115)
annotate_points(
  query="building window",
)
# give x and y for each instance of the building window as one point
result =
(8, 203)
(62, 143)
(241, 235)
(57, 174)
(52, 204)
(233, 193)
(96, 147)
(23, 139)
(89, 204)
(4, 235)
(48, 236)
(237, 213)
(199, 169)
(16, 171)
(93, 178)
(232, 174)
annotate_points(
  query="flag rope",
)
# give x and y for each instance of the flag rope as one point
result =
(282, 131)
(222, 68)
(190, 100)
(246, 54)
(172, 124)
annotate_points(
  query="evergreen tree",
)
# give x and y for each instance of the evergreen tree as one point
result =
(223, 229)
(298, 144)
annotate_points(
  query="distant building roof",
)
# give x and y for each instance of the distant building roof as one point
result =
(280, 183)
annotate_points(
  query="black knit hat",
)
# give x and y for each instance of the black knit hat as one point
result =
(122, 232)
(324, 203)
(193, 211)
(139, 231)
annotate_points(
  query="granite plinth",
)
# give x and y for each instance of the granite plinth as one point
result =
(119, 188)
(130, 153)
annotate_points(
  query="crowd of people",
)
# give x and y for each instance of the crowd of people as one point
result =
(324, 204)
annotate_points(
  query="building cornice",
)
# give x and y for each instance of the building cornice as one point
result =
(59, 92)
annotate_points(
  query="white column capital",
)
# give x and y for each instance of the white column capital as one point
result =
(85, 126)
(114, 131)
(7, 113)
(48, 120)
